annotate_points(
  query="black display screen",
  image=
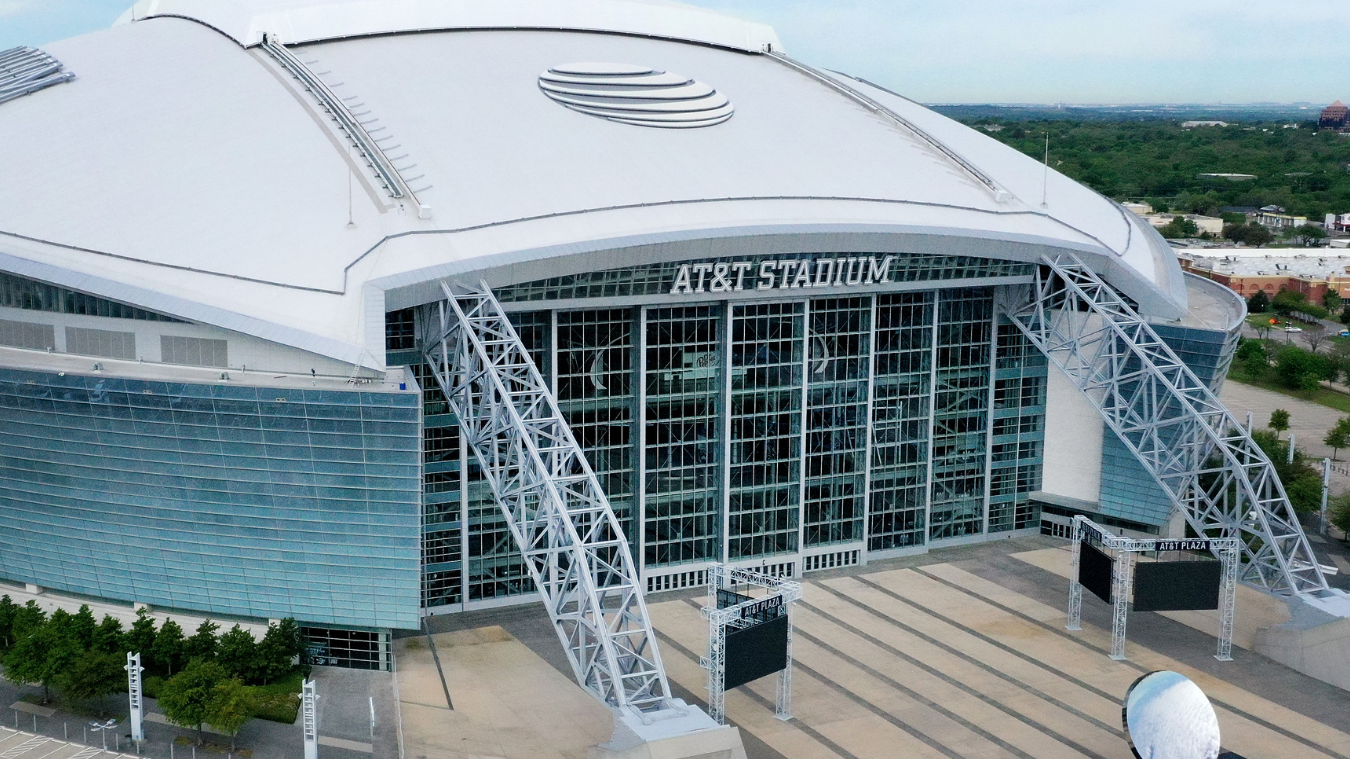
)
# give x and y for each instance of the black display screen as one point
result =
(756, 651)
(1094, 571)
(1177, 585)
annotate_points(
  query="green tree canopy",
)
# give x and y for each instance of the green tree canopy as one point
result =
(238, 653)
(94, 674)
(204, 644)
(1332, 301)
(108, 637)
(141, 638)
(42, 654)
(170, 647)
(83, 625)
(1308, 235)
(1279, 421)
(231, 706)
(186, 697)
(1299, 369)
(1338, 437)
(8, 611)
(278, 649)
(1258, 303)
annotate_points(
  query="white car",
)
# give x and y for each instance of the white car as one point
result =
(1293, 329)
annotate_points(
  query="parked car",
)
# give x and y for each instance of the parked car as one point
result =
(1345, 333)
(1293, 329)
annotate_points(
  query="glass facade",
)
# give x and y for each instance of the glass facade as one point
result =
(31, 295)
(1128, 491)
(800, 433)
(682, 436)
(222, 498)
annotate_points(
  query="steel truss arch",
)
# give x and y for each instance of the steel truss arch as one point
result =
(558, 514)
(1203, 458)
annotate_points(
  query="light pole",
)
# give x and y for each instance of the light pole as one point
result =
(102, 729)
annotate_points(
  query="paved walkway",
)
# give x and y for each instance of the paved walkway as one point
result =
(19, 745)
(960, 654)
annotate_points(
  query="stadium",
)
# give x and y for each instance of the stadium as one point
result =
(794, 321)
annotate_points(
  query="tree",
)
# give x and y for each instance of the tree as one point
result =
(8, 611)
(1308, 235)
(1259, 303)
(1338, 509)
(231, 706)
(279, 647)
(186, 697)
(1303, 370)
(1332, 301)
(169, 646)
(83, 625)
(108, 637)
(1179, 227)
(1339, 436)
(203, 644)
(1279, 421)
(94, 674)
(141, 638)
(1316, 335)
(42, 655)
(238, 654)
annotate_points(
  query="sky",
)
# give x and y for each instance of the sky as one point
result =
(994, 51)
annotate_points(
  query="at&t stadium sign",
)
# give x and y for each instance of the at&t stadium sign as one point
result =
(782, 274)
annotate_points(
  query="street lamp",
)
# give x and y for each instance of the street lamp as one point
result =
(102, 728)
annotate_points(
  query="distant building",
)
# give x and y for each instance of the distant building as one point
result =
(1211, 224)
(1335, 116)
(1229, 176)
(1138, 209)
(1337, 223)
(1306, 271)
(1194, 124)
(1274, 217)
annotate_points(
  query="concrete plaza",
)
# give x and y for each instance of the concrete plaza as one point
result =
(960, 653)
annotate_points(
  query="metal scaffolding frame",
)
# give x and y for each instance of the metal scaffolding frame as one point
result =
(558, 514)
(733, 617)
(1203, 458)
(1122, 578)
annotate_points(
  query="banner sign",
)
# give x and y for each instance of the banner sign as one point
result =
(1191, 544)
(782, 274)
(769, 607)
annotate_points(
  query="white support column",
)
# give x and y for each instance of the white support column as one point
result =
(783, 698)
(1326, 489)
(309, 719)
(1075, 621)
(1231, 556)
(1120, 598)
(134, 670)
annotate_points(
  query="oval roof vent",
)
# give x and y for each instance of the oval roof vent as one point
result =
(636, 95)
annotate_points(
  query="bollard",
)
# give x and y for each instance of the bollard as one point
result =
(35, 723)
(65, 730)
(1291, 449)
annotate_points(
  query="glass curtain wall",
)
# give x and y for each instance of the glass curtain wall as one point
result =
(961, 412)
(496, 569)
(682, 435)
(956, 421)
(767, 348)
(1018, 441)
(901, 389)
(596, 396)
(836, 420)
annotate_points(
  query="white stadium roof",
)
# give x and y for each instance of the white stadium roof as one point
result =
(186, 171)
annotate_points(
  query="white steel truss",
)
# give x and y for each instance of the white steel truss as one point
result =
(1203, 458)
(561, 520)
(787, 592)
(1122, 578)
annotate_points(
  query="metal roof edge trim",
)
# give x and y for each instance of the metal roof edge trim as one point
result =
(191, 310)
(341, 19)
(1152, 300)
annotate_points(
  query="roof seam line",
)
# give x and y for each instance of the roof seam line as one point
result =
(876, 107)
